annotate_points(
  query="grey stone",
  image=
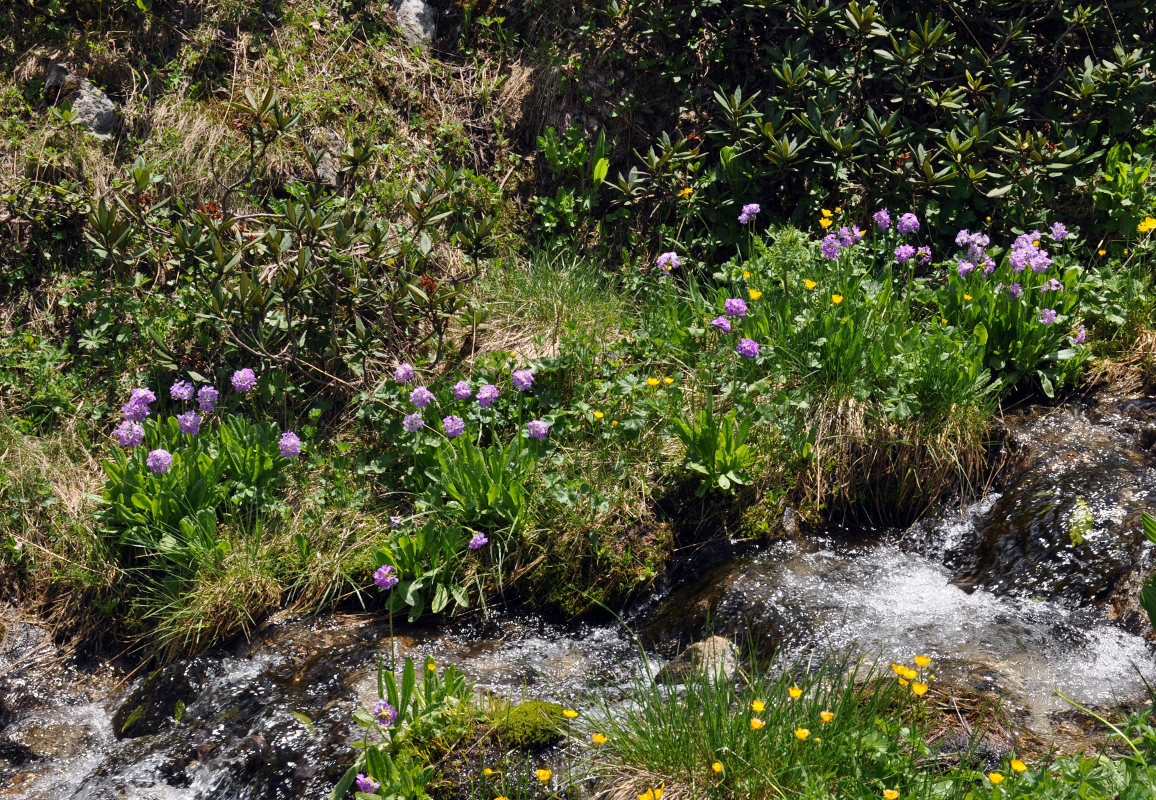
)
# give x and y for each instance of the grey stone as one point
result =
(416, 19)
(714, 657)
(91, 108)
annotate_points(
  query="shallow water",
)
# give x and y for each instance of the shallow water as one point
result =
(1001, 594)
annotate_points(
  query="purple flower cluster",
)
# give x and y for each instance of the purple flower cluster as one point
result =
(367, 784)
(747, 348)
(462, 390)
(290, 445)
(522, 379)
(1081, 337)
(207, 397)
(421, 397)
(129, 434)
(749, 212)
(413, 422)
(454, 426)
(137, 407)
(487, 395)
(385, 580)
(908, 223)
(478, 541)
(830, 246)
(1047, 316)
(882, 219)
(403, 373)
(924, 254)
(1015, 290)
(904, 252)
(1052, 285)
(965, 268)
(1059, 231)
(668, 262)
(976, 244)
(244, 380)
(722, 323)
(181, 390)
(159, 460)
(1026, 253)
(735, 307)
(537, 429)
(383, 713)
(189, 422)
(849, 237)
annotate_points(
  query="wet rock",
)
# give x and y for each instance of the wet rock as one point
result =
(91, 108)
(155, 703)
(715, 658)
(417, 20)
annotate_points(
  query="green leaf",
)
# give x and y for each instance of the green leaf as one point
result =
(1149, 526)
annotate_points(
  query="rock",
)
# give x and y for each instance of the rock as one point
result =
(329, 167)
(416, 19)
(714, 657)
(91, 108)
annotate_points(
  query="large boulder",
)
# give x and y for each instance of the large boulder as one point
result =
(91, 108)
(714, 658)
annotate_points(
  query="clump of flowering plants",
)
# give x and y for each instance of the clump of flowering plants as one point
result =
(173, 478)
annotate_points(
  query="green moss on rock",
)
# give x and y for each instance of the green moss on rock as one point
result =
(528, 726)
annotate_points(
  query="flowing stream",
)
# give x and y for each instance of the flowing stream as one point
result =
(1027, 592)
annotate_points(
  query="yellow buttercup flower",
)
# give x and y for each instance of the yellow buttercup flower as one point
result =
(652, 381)
(1147, 225)
(431, 666)
(890, 794)
(569, 713)
(995, 777)
(801, 733)
(487, 772)
(838, 210)
(716, 766)
(923, 661)
(501, 797)
(903, 681)
(613, 423)
(598, 415)
(943, 320)
(825, 223)
(1103, 252)
(824, 212)
(599, 738)
(758, 705)
(795, 692)
(965, 297)
(668, 381)
(757, 724)
(989, 219)
(826, 716)
(909, 673)
(919, 689)
(754, 293)
(543, 774)
(746, 274)
(810, 284)
(652, 794)
(687, 192)
(836, 299)
(1018, 765)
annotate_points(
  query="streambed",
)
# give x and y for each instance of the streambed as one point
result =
(1029, 591)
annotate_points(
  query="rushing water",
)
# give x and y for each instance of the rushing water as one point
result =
(1021, 594)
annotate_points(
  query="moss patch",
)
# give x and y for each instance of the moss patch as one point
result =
(531, 725)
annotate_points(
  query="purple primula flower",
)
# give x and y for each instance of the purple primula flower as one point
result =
(478, 541)
(394, 521)
(849, 237)
(385, 580)
(134, 411)
(367, 784)
(1081, 337)
(383, 712)
(522, 379)
(830, 246)
(207, 398)
(403, 373)
(1052, 285)
(1015, 290)
(668, 262)
(722, 323)
(924, 254)
(129, 434)
(159, 460)
(454, 426)
(747, 348)
(903, 252)
(421, 397)
(487, 395)
(181, 390)
(908, 223)
(882, 219)
(965, 268)
(537, 429)
(735, 307)
(750, 210)
(189, 423)
(962, 238)
(1059, 231)
(1047, 316)
(462, 390)
(413, 422)
(143, 395)
(244, 380)
(988, 266)
(290, 445)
